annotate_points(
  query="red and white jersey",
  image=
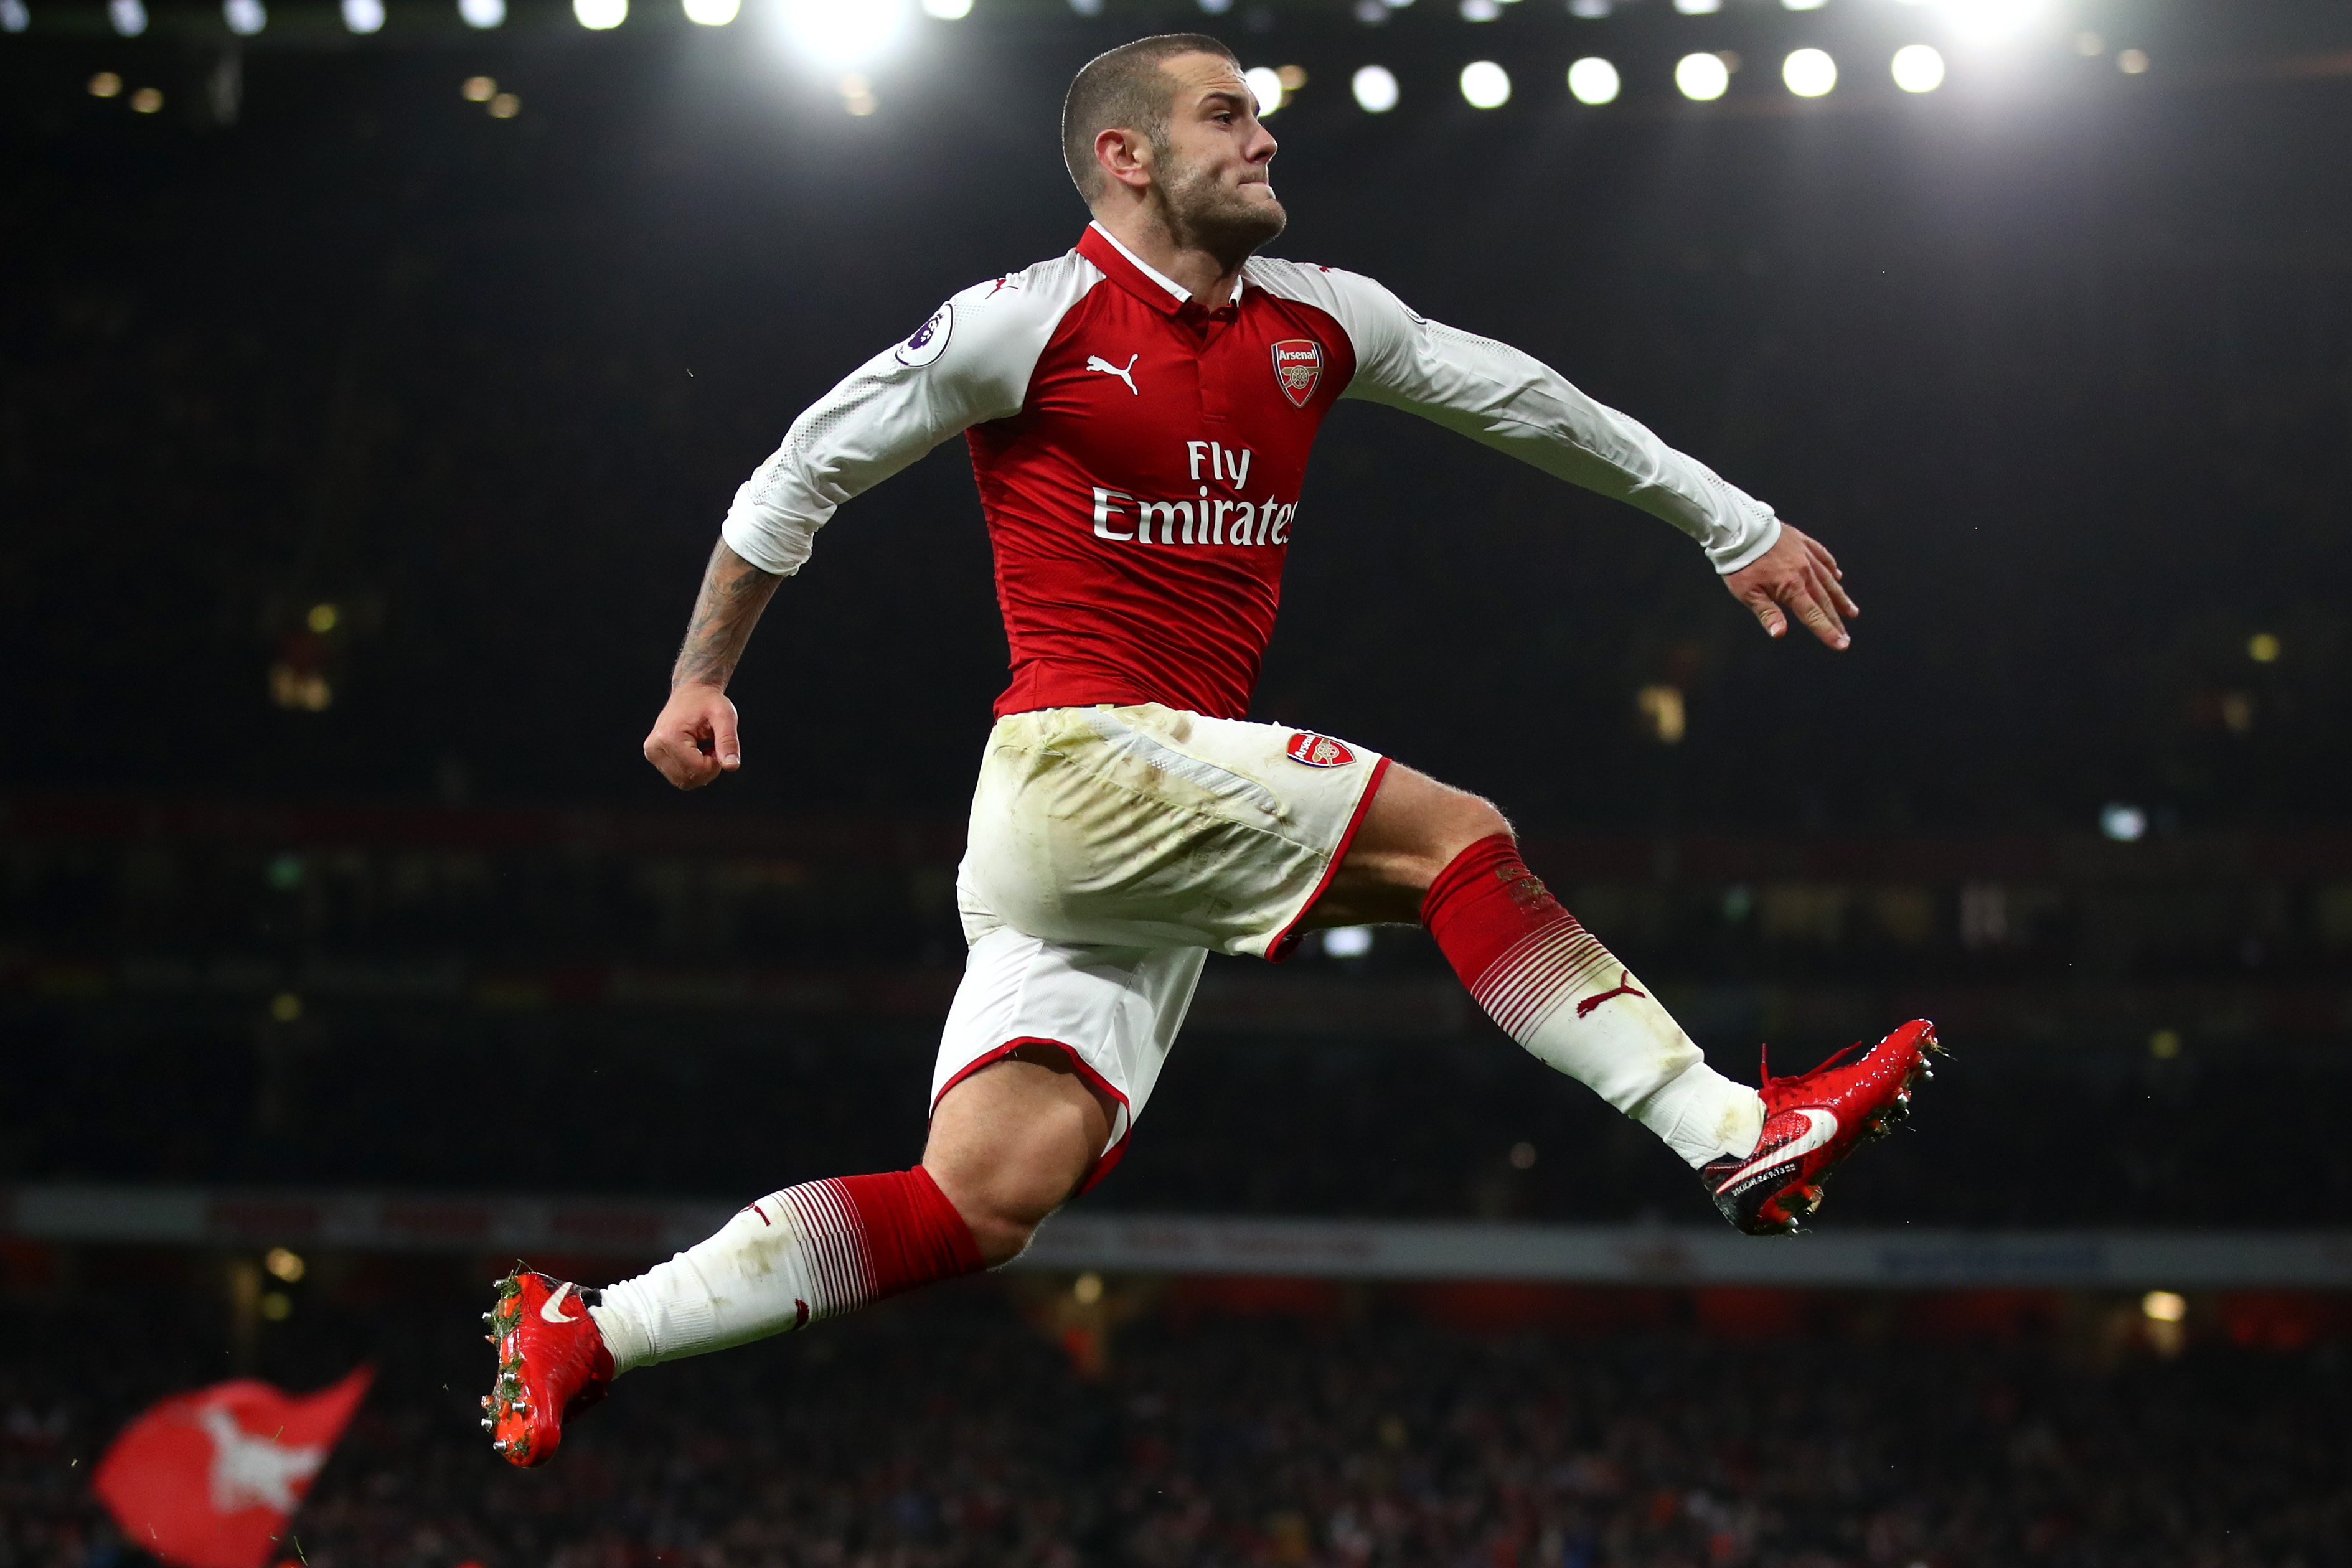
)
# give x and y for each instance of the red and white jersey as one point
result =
(1139, 457)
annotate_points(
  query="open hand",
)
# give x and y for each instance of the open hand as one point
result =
(693, 741)
(1798, 577)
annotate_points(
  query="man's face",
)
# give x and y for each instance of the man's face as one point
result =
(1212, 176)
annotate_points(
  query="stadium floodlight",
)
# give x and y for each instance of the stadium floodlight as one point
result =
(1348, 941)
(1990, 20)
(1698, 7)
(1919, 67)
(483, 13)
(713, 13)
(843, 34)
(245, 17)
(1809, 73)
(1265, 88)
(1216, 8)
(2123, 822)
(947, 10)
(1087, 7)
(363, 16)
(1702, 77)
(1594, 80)
(128, 17)
(1481, 10)
(13, 17)
(1485, 85)
(1802, 5)
(1375, 88)
(1592, 10)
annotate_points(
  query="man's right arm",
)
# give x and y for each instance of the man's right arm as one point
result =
(970, 362)
(694, 739)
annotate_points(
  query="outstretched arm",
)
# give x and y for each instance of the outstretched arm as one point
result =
(1508, 400)
(693, 741)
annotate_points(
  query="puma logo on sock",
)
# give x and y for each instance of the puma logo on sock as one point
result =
(1625, 989)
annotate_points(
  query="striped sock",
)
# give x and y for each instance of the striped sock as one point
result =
(812, 1251)
(1559, 993)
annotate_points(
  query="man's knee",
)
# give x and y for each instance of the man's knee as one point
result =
(1011, 1144)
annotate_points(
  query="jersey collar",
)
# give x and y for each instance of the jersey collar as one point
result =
(1138, 276)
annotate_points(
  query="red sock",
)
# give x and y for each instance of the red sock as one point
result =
(1504, 934)
(913, 1234)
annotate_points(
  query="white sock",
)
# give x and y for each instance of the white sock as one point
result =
(792, 1258)
(1568, 1000)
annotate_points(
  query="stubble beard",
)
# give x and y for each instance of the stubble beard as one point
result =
(1206, 214)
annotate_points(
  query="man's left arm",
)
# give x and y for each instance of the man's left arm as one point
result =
(1509, 400)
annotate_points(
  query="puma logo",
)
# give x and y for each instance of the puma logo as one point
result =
(1124, 373)
(1625, 989)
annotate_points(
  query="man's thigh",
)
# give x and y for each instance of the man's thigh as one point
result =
(1114, 1011)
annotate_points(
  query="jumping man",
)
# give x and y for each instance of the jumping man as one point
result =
(1139, 413)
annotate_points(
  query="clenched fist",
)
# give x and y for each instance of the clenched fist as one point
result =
(693, 741)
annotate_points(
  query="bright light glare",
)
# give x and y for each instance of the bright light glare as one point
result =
(1919, 67)
(1375, 88)
(1803, 5)
(1702, 77)
(1809, 73)
(128, 17)
(1698, 7)
(483, 13)
(713, 13)
(13, 17)
(2126, 825)
(1266, 87)
(245, 17)
(948, 10)
(363, 16)
(2164, 1306)
(1592, 81)
(1991, 19)
(1485, 85)
(843, 33)
(1348, 941)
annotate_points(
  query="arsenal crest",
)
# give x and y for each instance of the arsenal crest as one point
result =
(1306, 745)
(1297, 366)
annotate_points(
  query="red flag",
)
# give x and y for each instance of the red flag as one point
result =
(209, 1479)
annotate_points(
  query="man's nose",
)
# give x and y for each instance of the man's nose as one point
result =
(1262, 146)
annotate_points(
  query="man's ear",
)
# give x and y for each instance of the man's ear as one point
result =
(1124, 157)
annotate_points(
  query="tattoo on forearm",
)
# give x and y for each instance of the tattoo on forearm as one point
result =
(733, 593)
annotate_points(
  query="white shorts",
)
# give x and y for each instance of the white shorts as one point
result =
(1111, 849)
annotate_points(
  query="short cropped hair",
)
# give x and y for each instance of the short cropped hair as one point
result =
(1125, 90)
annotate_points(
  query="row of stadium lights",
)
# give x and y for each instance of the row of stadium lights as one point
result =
(1702, 77)
(841, 33)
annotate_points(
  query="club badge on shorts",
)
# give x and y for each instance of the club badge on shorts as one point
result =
(1297, 366)
(1318, 750)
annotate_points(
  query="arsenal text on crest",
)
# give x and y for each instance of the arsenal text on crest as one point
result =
(1318, 750)
(1297, 366)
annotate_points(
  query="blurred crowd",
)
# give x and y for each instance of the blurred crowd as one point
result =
(949, 1432)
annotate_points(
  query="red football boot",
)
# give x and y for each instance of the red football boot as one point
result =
(1814, 1120)
(552, 1364)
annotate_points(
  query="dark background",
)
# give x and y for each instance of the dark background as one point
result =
(2059, 361)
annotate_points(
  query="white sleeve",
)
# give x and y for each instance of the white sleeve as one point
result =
(1513, 402)
(970, 362)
